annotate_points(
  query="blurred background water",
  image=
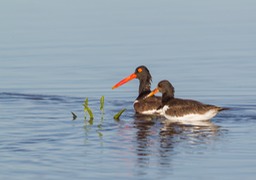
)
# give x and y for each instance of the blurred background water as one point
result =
(54, 54)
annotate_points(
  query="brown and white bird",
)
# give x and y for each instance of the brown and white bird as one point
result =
(182, 109)
(141, 105)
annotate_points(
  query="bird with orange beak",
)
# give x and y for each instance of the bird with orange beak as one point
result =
(182, 110)
(141, 105)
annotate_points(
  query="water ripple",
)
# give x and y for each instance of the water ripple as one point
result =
(41, 131)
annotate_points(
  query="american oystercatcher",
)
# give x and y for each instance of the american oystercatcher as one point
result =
(141, 105)
(182, 109)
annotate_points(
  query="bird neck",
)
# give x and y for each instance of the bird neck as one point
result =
(144, 86)
(166, 97)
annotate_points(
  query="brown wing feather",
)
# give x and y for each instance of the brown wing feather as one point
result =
(179, 107)
(147, 104)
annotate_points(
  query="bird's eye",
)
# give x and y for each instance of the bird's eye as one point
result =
(140, 70)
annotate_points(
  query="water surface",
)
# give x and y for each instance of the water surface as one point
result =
(54, 54)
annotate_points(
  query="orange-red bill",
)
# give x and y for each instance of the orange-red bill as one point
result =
(125, 80)
(156, 90)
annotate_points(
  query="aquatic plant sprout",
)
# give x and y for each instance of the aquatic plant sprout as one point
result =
(102, 99)
(88, 109)
(117, 115)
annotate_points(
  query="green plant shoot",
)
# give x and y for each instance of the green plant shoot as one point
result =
(87, 109)
(117, 116)
(86, 102)
(89, 112)
(102, 104)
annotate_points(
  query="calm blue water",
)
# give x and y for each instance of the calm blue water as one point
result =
(54, 54)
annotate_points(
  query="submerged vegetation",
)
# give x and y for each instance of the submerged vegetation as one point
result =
(102, 99)
(88, 111)
(117, 115)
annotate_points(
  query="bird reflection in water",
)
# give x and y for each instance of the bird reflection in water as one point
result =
(158, 140)
(192, 133)
(151, 148)
(144, 134)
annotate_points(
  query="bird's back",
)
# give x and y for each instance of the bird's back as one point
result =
(180, 107)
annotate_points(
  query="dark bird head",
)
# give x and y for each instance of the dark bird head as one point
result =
(165, 87)
(142, 74)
